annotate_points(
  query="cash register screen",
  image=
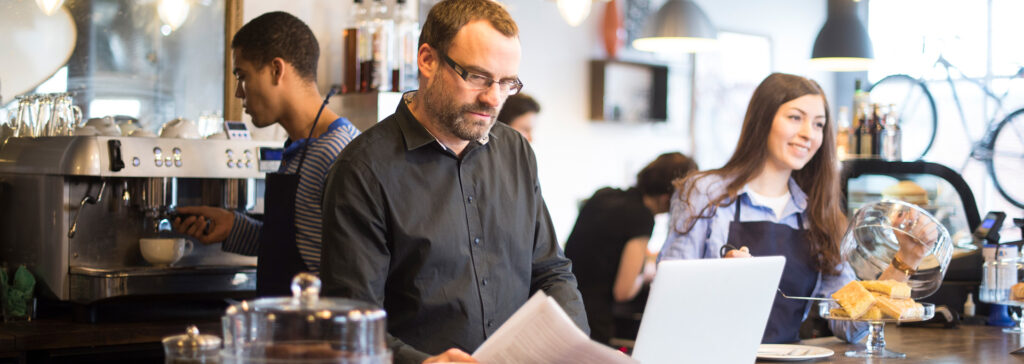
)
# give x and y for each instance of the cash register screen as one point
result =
(271, 154)
(270, 159)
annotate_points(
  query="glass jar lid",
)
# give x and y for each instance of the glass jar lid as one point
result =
(305, 327)
(190, 342)
(876, 232)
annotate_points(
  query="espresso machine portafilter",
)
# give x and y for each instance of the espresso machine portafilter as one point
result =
(74, 208)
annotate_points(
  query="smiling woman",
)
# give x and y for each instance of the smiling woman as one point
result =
(775, 196)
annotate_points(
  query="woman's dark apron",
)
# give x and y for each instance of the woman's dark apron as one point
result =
(799, 277)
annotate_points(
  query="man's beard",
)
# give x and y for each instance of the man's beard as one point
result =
(451, 117)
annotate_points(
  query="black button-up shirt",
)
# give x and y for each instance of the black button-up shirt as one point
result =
(449, 246)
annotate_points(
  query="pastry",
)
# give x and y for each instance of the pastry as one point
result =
(897, 308)
(889, 288)
(855, 299)
(1017, 292)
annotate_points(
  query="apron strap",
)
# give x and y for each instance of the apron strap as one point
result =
(302, 157)
(736, 215)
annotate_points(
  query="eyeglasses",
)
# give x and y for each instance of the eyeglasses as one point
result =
(481, 82)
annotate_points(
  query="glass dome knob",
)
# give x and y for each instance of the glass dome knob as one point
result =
(306, 288)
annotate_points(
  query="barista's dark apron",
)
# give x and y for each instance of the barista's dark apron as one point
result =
(798, 277)
(279, 260)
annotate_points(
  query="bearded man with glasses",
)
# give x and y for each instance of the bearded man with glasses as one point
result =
(436, 212)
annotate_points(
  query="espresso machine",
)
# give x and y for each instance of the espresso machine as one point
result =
(72, 209)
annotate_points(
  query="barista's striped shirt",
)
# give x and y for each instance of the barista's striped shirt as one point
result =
(319, 158)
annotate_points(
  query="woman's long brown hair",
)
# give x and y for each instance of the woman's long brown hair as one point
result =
(819, 178)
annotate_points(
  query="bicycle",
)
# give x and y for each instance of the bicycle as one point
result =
(1001, 147)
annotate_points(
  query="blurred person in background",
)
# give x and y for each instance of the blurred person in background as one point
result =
(520, 112)
(608, 245)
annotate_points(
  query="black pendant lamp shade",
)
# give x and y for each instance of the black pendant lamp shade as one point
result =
(843, 43)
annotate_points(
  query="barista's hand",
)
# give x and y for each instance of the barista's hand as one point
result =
(451, 356)
(742, 252)
(925, 233)
(195, 224)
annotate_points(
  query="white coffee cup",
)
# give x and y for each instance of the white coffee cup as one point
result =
(164, 251)
(180, 128)
(105, 126)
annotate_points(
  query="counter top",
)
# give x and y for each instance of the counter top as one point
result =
(48, 334)
(964, 344)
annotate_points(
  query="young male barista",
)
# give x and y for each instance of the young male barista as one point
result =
(435, 213)
(275, 58)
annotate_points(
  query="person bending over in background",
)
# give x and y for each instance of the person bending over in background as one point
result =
(608, 245)
(275, 58)
(779, 195)
(520, 112)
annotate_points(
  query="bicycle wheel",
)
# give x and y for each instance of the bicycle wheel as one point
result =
(1006, 164)
(916, 112)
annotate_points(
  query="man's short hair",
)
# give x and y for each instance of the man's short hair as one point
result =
(279, 34)
(516, 106)
(446, 18)
(656, 179)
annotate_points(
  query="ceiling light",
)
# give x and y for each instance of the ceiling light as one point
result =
(574, 11)
(679, 26)
(843, 44)
(49, 6)
(173, 12)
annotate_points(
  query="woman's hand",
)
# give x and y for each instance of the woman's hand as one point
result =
(742, 252)
(923, 233)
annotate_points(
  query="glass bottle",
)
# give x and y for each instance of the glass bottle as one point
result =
(864, 139)
(892, 136)
(407, 33)
(380, 27)
(843, 134)
(351, 36)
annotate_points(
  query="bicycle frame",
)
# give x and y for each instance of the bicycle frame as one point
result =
(984, 88)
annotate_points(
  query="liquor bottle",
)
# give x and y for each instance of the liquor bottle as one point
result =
(407, 33)
(864, 139)
(859, 95)
(892, 136)
(877, 128)
(379, 30)
(843, 134)
(351, 43)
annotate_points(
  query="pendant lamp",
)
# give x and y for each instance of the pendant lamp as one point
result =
(843, 44)
(574, 11)
(679, 26)
(173, 13)
(49, 6)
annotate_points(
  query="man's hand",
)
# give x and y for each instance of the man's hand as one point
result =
(451, 356)
(197, 227)
(742, 252)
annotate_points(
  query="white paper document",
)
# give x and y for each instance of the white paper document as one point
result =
(541, 332)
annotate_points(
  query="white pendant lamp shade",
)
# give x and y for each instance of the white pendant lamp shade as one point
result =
(173, 12)
(679, 26)
(843, 44)
(574, 11)
(49, 6)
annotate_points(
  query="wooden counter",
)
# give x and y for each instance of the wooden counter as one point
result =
(55, 338)
(965, 344)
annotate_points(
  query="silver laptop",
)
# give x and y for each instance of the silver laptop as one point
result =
(708, 310)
